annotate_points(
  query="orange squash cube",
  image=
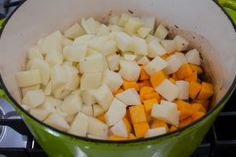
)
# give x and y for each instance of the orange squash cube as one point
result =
(184, 108)
(116, 138)
(130, 84)
(196, 68)
(192, 77)
(145, 90)
(172, 128)
(198, 107)
(184, 71)
(157, 78)
(137, 114)
(206, 91)
(149, 103)
(101, 118)
(131, 136)
(140, 129)
(205, 103)
(194, 89)
(145, 83)
(197, 115)
(172, 80)
(127, 124)
(152, 96)
(185, 122)
(120, 90)
(143, 74)
(156, 123)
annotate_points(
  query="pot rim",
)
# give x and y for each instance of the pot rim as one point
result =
(86, 139)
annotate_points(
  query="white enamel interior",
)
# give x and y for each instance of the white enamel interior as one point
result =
(35, 19)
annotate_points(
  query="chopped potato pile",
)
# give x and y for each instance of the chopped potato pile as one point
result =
(121, 81)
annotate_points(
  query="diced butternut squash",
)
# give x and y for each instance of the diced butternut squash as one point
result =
(140, 129)
(131, 136)
(172, 128)
(145, 83)
(127, 124)
(165, 56)
(130, 84)
(145, 90)
(157, 78)
(149, 103)
(184, 108)
(206, 91)
(194, 89)
(198, 108)
(143, 74)
(101, 118)
(127, 116)
(117, 138)
(156, 123)
(197, 115)
(192, 77)
(185, 122)
(184, 71)
(205, 103)
(120, 90)
(137, 114)
(152, 95)
(196, 68)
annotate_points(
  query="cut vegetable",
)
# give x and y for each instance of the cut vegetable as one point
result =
(80, 125)
(157, 64)
(28, 78)
(129, 70)
(129, 97)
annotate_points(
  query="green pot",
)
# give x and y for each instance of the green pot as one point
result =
(213, 34)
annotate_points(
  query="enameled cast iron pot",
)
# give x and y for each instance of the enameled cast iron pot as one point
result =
(37, 18)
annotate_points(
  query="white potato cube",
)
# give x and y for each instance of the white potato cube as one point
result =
(123, 19)
(48, 88)
(169, 45)
(97, 110)
(112, 79)
(123, 41)
(132, 25)
(72, 104)
(144, 31)
(24, 90)
(92, 63)
(90, 25)
(166, 111)
(155, 49)
(129, 70)
(119, 129)
(97, 128)
(83, 40)
(183, 89)
(54, 58)
(129, 97)
(34, 98)
(149, 22)
(114, 20)
(161, 32)
(109, 47)
(90, 81)
(168, 90)
(138, 46)
(39, 113)
(75, 53)
(87, 109)
(28, 78)
(103, 96)
(115, 113)
(156, 132)
(130, 57)
(157, 64)
(51, 102)
(34, 53)
(193, 57)
(150, 38)
(57, 121)
(58, 76)
(72, 77)
(181, 57)
(182, 44)
(74, 31)
(80, 125)
(66, 42)
(53, 42)
(143, 60)
(88, 97)
(113, 62)
(43, 67)
(115, 28)
(103, 30)
(174, 63)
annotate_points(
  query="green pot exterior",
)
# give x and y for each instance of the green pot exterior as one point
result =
(179, 144)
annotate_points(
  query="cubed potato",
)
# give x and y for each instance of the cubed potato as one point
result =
(39, 113)
(168, 90)
(129, 97)
(155, 49)
(112, 79)
(80, 125)
(28, 78)
(113, 62)
(161, 32)
(129, 70)
(169, 45)
(149, 22)
(167, 112)
(143, 60)
(72, 104)
(103, 30)
(103, 96)
(24, 90)
(97, 110)
(54, 58)
(156, 132)
(115, 28)
(144, 31)
(48, 88)
(75, 53)
(157, 64)
(193, 57)
(123, 19)
(58, 77)
(72, 77)
(119, 129)
(138, 46)
(34, 53)
(115, 113)
(57, 121)
(183, 89)
(174, 63)
(90, 25)
(97, 128)
(130, 57)
(88, 97)
(83, 40)
(114, 19)
(123, 41)
(34, 98)
(182, 44)
(87, 109)
(132, 25)
(74, 31)
(90, 81)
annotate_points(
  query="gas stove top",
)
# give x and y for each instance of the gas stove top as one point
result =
(17, 141)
